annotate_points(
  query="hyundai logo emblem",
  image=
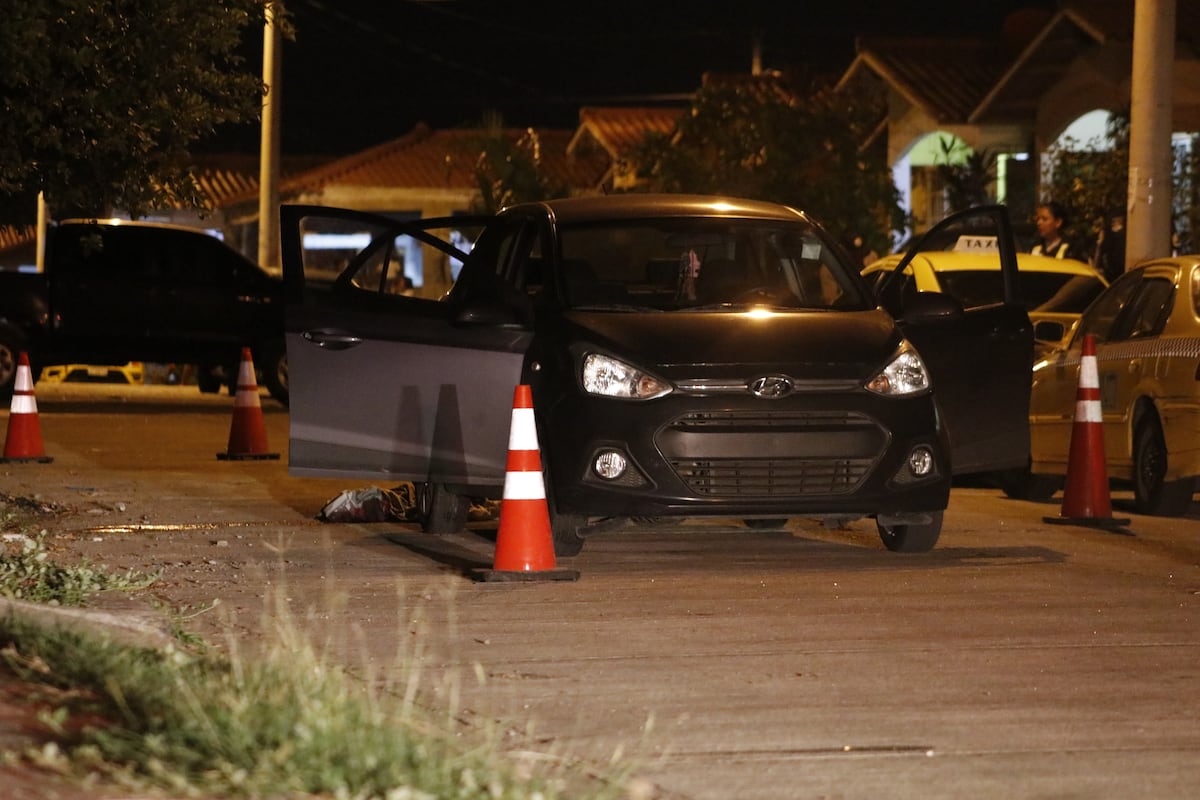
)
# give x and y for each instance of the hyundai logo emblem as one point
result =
(771, 386)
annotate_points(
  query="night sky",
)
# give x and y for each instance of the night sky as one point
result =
(360, 73)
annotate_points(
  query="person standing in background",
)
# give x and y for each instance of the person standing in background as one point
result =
(1050, 218)
(1110, 249)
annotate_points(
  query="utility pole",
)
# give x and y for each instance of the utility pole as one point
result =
(268, 174)
(1148, 233)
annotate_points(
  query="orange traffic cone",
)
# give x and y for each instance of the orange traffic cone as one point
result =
(524, 543)
(24, 439)
(247, 434)
(1086, 499)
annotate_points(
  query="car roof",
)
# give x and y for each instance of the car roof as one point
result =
(635, 205)
(950, 261)
(116, 222)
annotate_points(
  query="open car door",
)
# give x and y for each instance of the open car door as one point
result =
(386, 385)
(981, 361)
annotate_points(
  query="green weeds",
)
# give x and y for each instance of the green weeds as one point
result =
(285, 723)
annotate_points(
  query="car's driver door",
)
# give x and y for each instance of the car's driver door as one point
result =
(385, 385)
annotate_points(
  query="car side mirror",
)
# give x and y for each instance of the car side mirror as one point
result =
(490, 313)
(1049, 331)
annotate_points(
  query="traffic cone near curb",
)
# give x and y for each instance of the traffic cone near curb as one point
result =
(1086, 499)
(247, 434)
(23, 442)
(524, 543)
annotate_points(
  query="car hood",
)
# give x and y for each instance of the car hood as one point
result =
(816, 344)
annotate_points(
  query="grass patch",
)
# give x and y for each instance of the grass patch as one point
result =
(284, 726)
(286, 723)
(28, 573)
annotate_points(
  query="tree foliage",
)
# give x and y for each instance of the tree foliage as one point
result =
(967, 174)
(102, 100)
(785, 138)
(508, 169)
(1091, 180)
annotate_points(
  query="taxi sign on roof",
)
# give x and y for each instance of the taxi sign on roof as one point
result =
(976, 244)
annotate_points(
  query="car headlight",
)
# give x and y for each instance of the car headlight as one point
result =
(904, 375)
(611, 377)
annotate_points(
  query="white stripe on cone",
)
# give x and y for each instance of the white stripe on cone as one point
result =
(522, 434)
(24, 381)
(1088, 411)
(1089, 374)
(23, 404)
(524, 486)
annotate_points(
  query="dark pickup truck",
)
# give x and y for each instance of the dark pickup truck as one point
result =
(112, 291)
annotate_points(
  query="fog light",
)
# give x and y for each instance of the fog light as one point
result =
(610, 465)
(920, 461)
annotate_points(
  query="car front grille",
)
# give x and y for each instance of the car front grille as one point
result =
(772, 454)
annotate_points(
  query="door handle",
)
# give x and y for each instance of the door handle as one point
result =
(329, 340)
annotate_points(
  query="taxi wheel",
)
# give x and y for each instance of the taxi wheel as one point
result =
(911, 538)
(1151, 493)
(441, 510)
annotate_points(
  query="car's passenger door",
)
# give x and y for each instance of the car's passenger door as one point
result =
(980, 361)
(389, 386)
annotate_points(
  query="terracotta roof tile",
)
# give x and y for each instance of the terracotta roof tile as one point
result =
(619, 130)
(443, 159)
(946, 78)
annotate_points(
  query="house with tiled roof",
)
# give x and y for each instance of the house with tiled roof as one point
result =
(617, 132)
(1014, 95)
(431, 173)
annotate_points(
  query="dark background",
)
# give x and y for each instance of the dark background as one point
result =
(359, 73)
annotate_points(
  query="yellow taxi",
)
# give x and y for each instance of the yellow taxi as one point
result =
(131, 372)
(1147, 335)
(1055, 291)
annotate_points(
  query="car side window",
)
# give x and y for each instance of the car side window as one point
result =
(1101, 317)
(1147, 314)
(504, 261)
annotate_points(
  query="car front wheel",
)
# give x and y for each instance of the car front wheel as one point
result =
(1153, 494)
(566, 532)
(911, 538)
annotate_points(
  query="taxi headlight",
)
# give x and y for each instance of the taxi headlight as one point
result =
(611, 377)
(904, 376)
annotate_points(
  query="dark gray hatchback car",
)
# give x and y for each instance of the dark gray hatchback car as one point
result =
(688, 357)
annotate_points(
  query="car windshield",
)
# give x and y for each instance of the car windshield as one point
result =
(1050, 292)
(704, 264)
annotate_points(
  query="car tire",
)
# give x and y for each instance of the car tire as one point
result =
(911, 538)
(10, 357)
(274, 368)
(208, 379)
(565, 529)
(765, 524)
(1022, 484)
(441, 510)
(1151, 493)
